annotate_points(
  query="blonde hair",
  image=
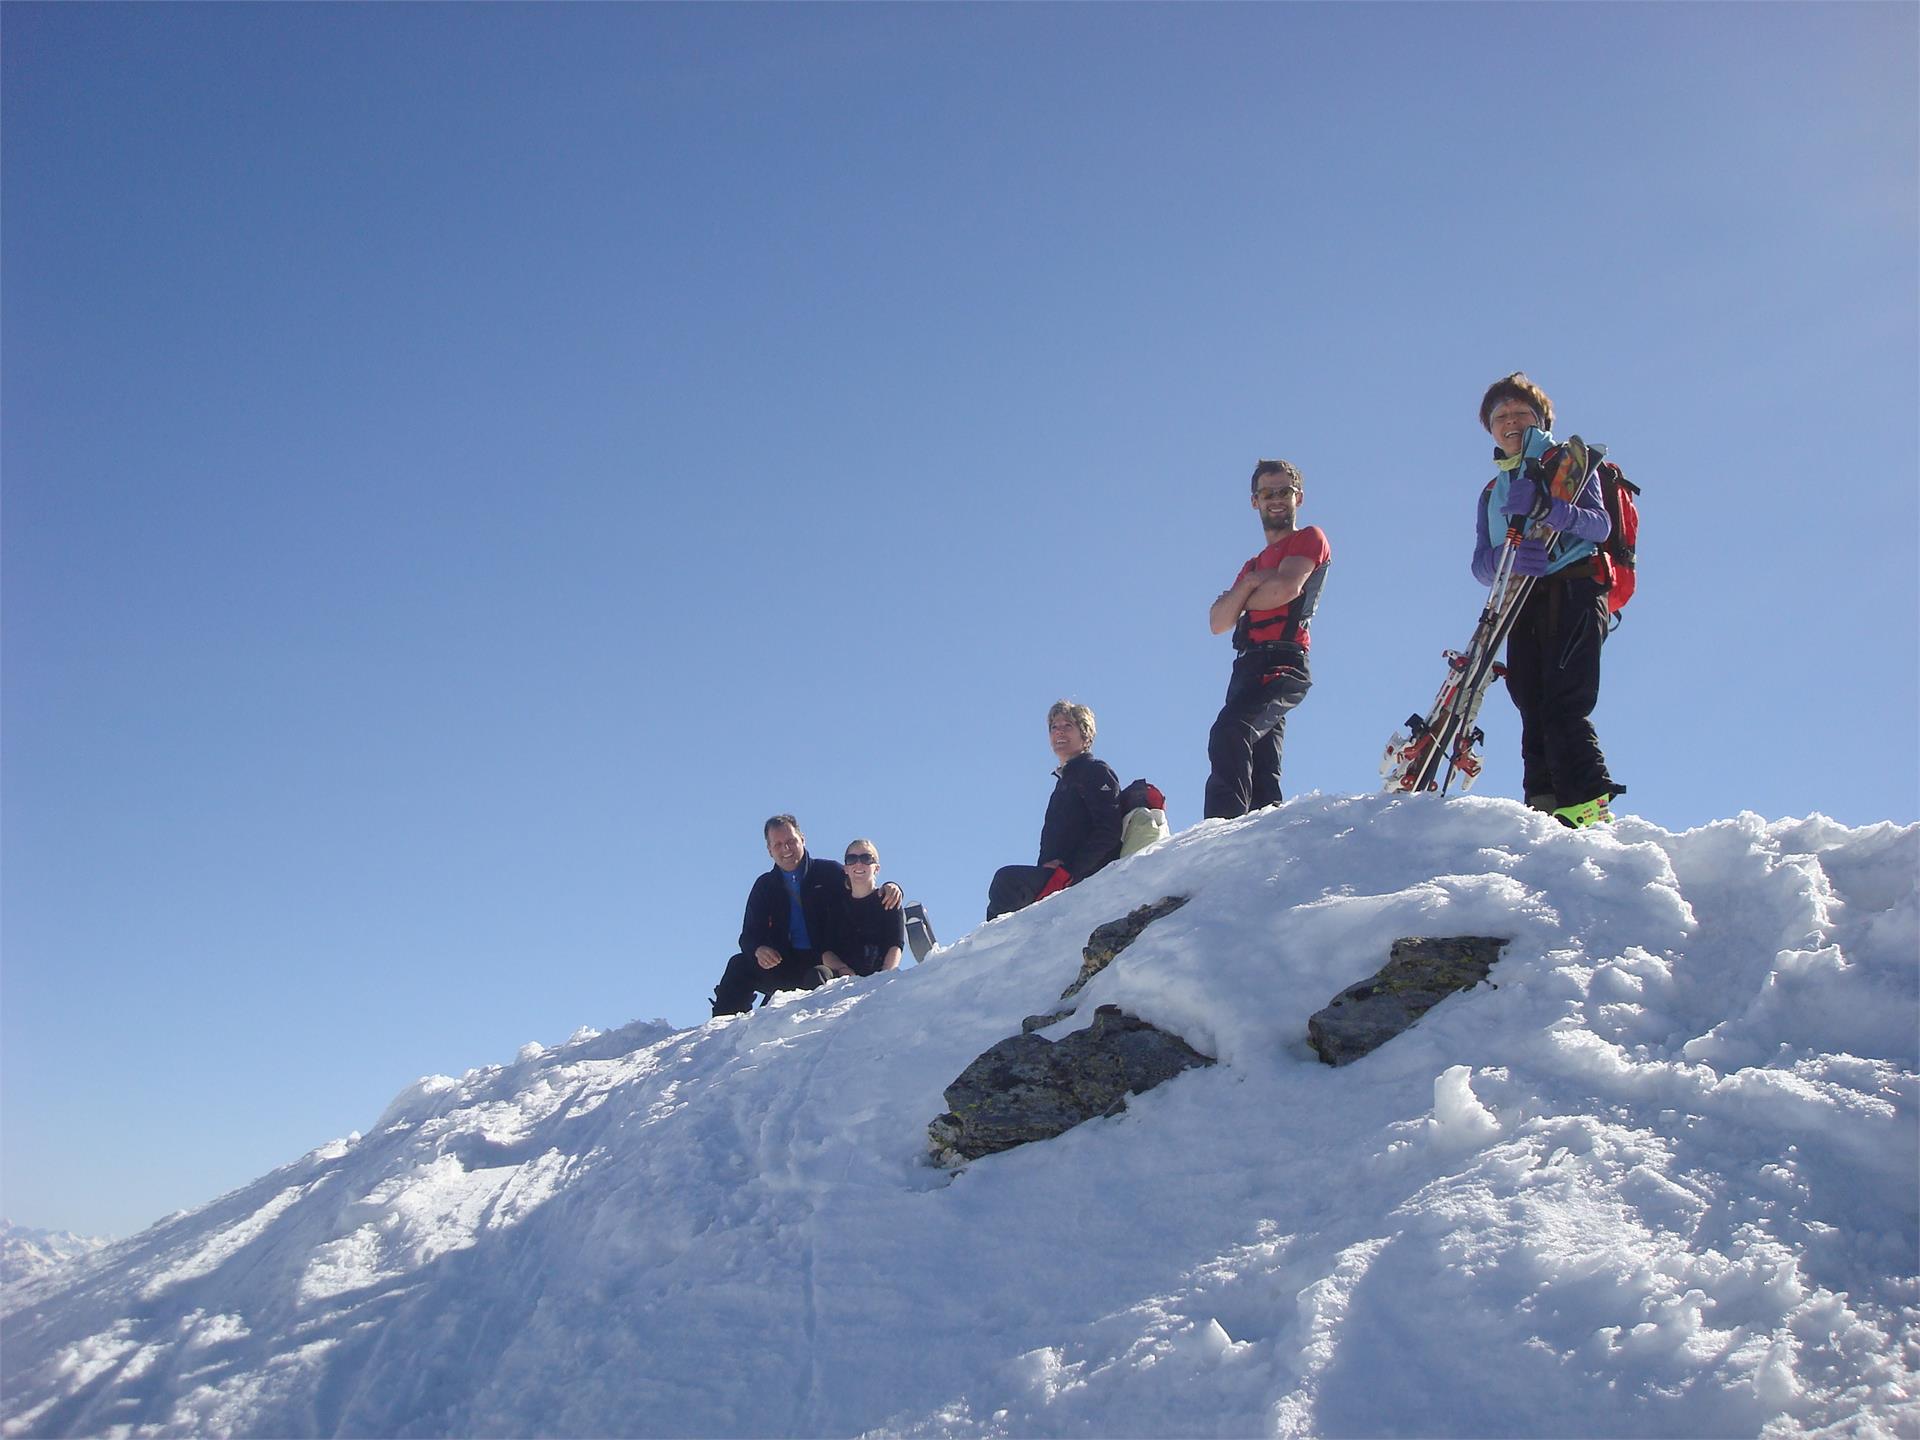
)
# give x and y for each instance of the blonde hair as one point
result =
(1081, 715)
(867, 845)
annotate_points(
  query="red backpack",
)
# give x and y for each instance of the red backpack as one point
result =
(1613, 562)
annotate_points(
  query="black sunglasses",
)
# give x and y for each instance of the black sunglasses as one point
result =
(862, 860)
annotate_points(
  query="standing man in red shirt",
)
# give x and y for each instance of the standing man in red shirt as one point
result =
(1267, 607)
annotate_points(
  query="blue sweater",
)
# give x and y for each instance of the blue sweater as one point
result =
(769, 918)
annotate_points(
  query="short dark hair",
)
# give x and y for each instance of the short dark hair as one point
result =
(1285, 469)
(1516, 387)
(773, 822)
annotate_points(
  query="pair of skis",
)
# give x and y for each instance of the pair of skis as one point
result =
(1447, 735)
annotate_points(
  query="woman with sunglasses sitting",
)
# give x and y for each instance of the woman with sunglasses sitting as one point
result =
(874, 934)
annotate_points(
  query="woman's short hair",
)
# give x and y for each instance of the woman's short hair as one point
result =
(1516, 387)
(1081, 715)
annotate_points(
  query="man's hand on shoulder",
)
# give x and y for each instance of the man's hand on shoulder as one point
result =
(891, 895)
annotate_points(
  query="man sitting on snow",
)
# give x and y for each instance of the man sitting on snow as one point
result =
(796, 915)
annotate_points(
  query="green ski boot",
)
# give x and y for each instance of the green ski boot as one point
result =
(1588, 812)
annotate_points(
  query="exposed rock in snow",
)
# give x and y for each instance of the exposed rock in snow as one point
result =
(1102, 948)
(1030, 1088)
(1420, 972)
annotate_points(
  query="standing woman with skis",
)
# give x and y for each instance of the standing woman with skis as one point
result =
(1553, 654)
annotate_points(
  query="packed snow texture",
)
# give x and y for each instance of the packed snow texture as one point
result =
(1657, 1178)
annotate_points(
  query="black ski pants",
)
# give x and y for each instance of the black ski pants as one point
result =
(1553, 675)
(797, 970)
(1014, 887)
(1244, 744)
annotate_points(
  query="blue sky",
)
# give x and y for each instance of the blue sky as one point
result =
(464, 467)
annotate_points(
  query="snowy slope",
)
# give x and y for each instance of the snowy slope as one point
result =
(1660, 1179)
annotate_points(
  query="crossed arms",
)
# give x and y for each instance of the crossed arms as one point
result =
(1260, 590)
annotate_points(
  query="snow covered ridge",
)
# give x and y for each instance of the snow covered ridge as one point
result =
(1658, 1178)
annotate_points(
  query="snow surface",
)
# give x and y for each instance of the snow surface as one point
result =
(1658, 1178)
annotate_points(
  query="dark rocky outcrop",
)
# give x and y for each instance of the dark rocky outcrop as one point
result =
(1030, 1088)
(1102, 946)
(1419, 974)
(1105, 943)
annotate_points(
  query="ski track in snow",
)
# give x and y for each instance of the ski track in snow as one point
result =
(1657, 1178)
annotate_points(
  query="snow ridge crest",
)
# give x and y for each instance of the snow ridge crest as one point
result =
(1659, 1178)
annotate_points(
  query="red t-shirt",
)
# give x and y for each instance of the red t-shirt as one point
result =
(1265, 625)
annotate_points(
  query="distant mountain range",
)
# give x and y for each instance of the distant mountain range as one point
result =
(27, 1254)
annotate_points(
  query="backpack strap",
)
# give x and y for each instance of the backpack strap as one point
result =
(1299, 614)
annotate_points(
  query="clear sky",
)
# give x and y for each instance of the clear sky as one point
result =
(464, 467)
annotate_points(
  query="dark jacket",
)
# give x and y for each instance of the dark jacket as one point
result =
(1082, 829)
(872, 930)
(823, 899)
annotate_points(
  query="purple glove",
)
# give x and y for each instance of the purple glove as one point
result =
(1530, 558)
(1526, 498)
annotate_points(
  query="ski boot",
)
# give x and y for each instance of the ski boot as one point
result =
(1588, 812)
